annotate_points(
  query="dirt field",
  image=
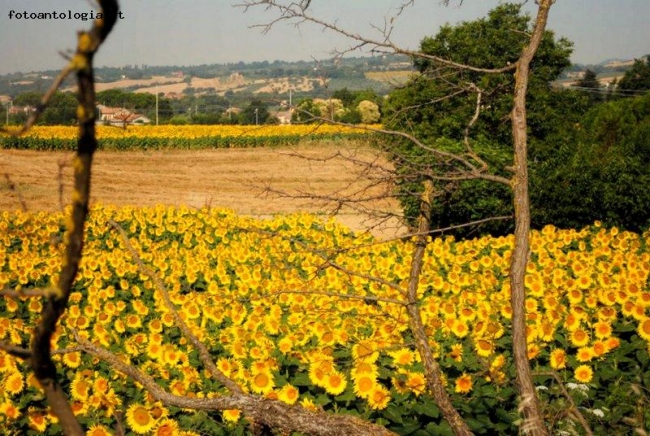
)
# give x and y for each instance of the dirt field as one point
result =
(232, 178)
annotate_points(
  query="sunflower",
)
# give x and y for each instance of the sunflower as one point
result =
(456, 352)
(262, 383)
(416, 383)
(14, 383)
(583, 374)
(579, 338)
(599, 348)
(98, 430)
(602, 329)
(231, 415)
(402, 357)
(363, 385)
(644, 329)
(365, 350)
(612, 343)
(607, 313)
(460, 329)
(399, 383)
(379, 397)
(584, 354)
(484, 348)
(226, 366)
(463, 384)
(171, 355)
(37, 420)
(498, 361)
(133, 321)
(558, 358)
(335, 383)
(139, 419)
(532, 351)
(166, 427)
(9, 410)
(288, 394)
(309, 404)
(79, 390)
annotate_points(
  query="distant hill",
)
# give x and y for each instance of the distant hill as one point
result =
(270, 79)
(257, 78)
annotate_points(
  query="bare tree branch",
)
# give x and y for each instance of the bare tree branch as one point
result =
(203, 351)
(275, 413)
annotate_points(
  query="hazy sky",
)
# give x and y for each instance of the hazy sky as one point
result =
(191, 32)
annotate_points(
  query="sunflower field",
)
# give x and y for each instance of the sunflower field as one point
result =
(181, 137)
(281, 321)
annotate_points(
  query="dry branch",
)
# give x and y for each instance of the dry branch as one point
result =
(273, 413)
(40, 354)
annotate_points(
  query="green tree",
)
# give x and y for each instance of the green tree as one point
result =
(61, 109)
(255, 113)
(138, 102)
(369, 111)
(590, 85)
(423, 107)
(599, 171)
(346, 96)
(306, 111)
(637, 78)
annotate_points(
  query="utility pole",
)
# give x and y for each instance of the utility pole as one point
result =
(156, 105)
(256, 119)
(9, 103)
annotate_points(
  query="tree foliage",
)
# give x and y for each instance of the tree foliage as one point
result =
(637, 78)
(256, 112)
(62, 108)
(424, 107)
(599, 170)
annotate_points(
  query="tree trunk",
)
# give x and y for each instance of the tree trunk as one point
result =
(431, 368)
(529, 406)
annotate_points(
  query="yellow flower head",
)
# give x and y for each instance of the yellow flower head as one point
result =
(98, 430)
(584, 354)
(463, 384)
(484, 348)
(231, 415)
(416, 382)
(365, 350)
(579, 338)
(363, 385)
(262, 383)
(14, 384)
(288, 394)
(37, 420)
(644, 329)
(583, 374)
(379, 397)
(80, 388)
(139, 419)
(335, 383)
(402, 357)
(558, 358)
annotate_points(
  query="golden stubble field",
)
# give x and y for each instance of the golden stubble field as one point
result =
(251, 181)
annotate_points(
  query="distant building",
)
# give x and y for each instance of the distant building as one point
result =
(284, 117)
(15, 110)
(118, 116)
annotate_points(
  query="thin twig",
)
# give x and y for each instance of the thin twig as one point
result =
(13, 188)
(203, 351)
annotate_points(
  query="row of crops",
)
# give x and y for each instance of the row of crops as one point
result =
(181, 137)
(277, 321)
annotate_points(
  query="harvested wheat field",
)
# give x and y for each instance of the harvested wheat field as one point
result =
(252, 181)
